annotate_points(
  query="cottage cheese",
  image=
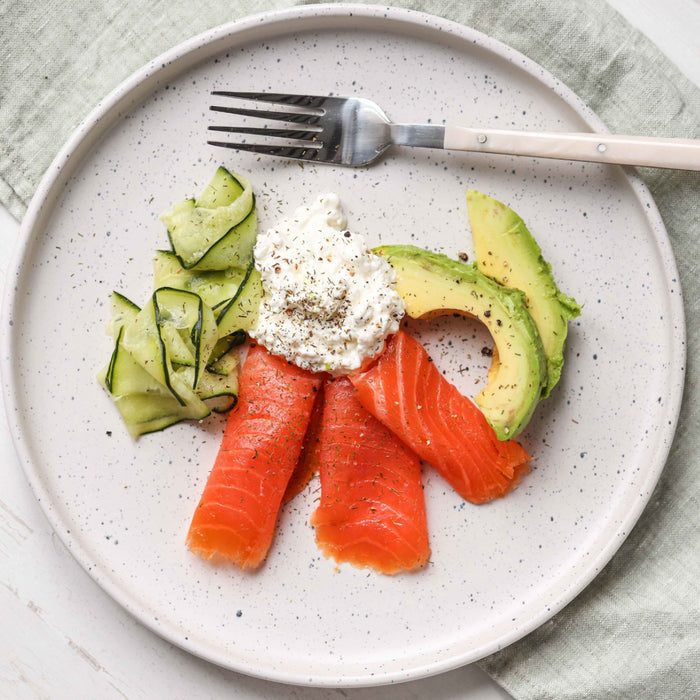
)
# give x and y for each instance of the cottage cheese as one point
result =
(328, 302)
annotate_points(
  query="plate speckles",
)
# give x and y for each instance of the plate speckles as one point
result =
(497, 571)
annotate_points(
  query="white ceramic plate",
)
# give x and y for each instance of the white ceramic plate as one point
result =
(497, 571)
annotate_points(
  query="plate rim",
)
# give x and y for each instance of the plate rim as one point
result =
(136, 87)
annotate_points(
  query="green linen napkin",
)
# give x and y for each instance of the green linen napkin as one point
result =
(634, 632)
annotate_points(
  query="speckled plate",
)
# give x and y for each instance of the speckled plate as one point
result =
(497, 571)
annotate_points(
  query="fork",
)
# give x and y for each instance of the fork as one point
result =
(354, 131)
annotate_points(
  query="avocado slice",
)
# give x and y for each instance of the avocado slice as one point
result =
(432, 284)
(507, 252)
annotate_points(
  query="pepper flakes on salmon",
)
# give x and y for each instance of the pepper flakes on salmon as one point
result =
(307, 465)
(238, 510)
(405, 391)
(372, 508)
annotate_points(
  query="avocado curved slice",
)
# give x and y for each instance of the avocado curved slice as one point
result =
(507, 252)
(431, 284)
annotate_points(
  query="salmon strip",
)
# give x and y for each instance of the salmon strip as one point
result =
(307, 466)
(236, 516)
(406, 392)
(372, 508)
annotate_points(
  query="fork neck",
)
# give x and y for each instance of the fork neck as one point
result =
(423, 135)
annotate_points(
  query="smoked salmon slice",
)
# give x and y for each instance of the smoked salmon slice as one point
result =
(307, 466)
(406, 392)
(236, 516)
(372, 508)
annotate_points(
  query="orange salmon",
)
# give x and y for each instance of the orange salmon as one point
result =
(406, 392)
(307, 466)
(372, 509)
(236, 516)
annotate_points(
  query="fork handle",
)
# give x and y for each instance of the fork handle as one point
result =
(683, 154)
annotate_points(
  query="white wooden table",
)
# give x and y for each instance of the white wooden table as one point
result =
(63, 637)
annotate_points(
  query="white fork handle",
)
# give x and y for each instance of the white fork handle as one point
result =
(683, 154)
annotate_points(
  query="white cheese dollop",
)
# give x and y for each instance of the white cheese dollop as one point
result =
(328, 302)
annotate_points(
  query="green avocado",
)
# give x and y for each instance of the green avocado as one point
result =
(432, 284)
(507, 252)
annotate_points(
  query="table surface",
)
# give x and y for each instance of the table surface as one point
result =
(65, 638)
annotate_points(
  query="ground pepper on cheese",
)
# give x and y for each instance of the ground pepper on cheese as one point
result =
(328, 302)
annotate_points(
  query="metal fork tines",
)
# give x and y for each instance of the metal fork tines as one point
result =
(301, 141)
(339, 130)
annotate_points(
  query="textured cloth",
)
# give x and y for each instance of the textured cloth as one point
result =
(634, 632)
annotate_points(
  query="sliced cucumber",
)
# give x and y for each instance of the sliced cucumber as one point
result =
(175, 358)
(145, 404)
(123, 311)
(232, 293)
(218, 389)
(223, 189)
(218, 362)
(175, 327)
(235, 248)
(214, 286)
(219, 236)
(241, 311)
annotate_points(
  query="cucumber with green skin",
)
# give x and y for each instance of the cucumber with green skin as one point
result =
(219, 362)
(223, 189)
(173, 360)
(224, 274)
(213, 286)
(218, 229)
(123, 312)
(145, 404)
(241, 311)
(174, 328)
(218, 391)
(233, 294)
